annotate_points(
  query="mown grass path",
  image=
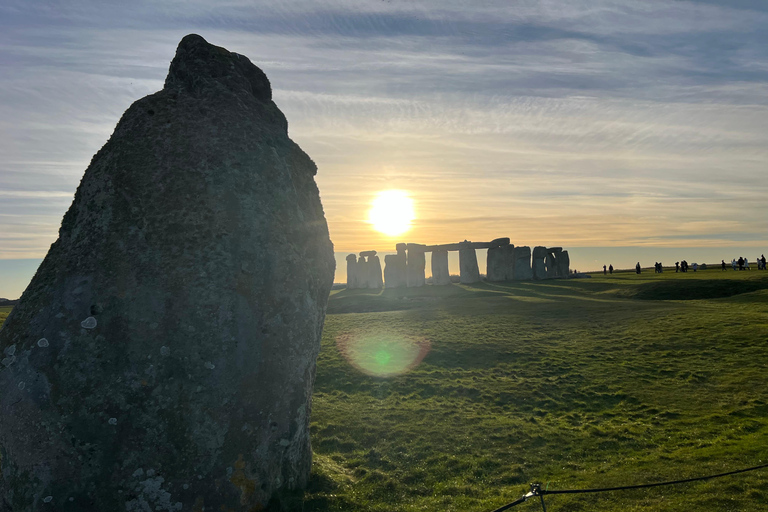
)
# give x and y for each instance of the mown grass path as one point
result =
(598, 382)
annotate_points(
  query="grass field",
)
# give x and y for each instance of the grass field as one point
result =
(598, 382)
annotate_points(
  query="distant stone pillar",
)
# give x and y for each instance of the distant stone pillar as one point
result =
(352, 272)
(523, 270)
(371, 273)
(374, 268)
(564, 264)
(496, 264)
(468, 270)
(417, 263)
(395, 268)
(537, 262)
(440, 273)
(362, 273)
(551, 262)
(508, 252)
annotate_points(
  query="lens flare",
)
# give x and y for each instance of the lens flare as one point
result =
(382, 355)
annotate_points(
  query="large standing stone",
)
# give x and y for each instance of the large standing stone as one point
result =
(551, 262)
(353, 275)
(523, 270)
(440, 273)
(417, 263)
(508, 252)
(564, 263)
(496, 264)
(468, 270)
(395, 268)
(362, 272)
(395, 271)
(537, 262)
(374, 271)
(162, 357)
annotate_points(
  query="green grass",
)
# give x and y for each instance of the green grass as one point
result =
(581, 383)
(4, 310)
(608, 381)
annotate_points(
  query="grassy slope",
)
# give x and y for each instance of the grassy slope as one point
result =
(4, 310)
(582, 383)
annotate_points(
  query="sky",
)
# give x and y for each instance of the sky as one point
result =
(609, 127)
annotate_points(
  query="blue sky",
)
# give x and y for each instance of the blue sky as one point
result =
(579, 124)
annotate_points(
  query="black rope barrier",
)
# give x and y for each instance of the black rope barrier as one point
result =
(536, 489)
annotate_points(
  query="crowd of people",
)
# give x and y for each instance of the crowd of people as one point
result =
(683, 266)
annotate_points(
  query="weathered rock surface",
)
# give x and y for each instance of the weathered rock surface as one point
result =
(375, 280)
(353, 274)
(395, 275)
(469, 272)
(163, 356)
(417, 264)
(441, 275)
(537, 262)
(523, 263)
(564, 264)
(496, 269)
(551, 262)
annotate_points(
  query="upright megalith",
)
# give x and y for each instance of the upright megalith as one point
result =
(162, 357)
(564, 264)
(509, 262)
(373, 277)
(495, 265)
(537, 262)
(551, 262)
(395, 268)
(353, 278)
(417, 263)
(522, 257)
(440, 274)
(469, 272)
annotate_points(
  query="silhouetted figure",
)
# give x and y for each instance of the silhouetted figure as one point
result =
(741, 263)
(723, 262)
(637, 267)
(677, 266)
(762, 260)
(610, 268)
(605, 270)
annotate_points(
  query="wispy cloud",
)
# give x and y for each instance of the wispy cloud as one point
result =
(609, 122)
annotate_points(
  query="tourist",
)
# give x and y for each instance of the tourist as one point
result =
(746, 263)
(762, 259)
(733, 263)
(637, 268)
(605, 270)
(741, 263)
(677, 266)
(610, 268)
(723, 262)
(695, 266)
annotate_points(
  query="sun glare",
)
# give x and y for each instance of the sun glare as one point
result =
(391, 212)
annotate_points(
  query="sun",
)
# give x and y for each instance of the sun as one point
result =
(391, 212)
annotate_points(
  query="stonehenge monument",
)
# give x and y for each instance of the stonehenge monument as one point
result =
(505, 262)
(440, 273)
(365, 272)
(163, 355)
(416, 264)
